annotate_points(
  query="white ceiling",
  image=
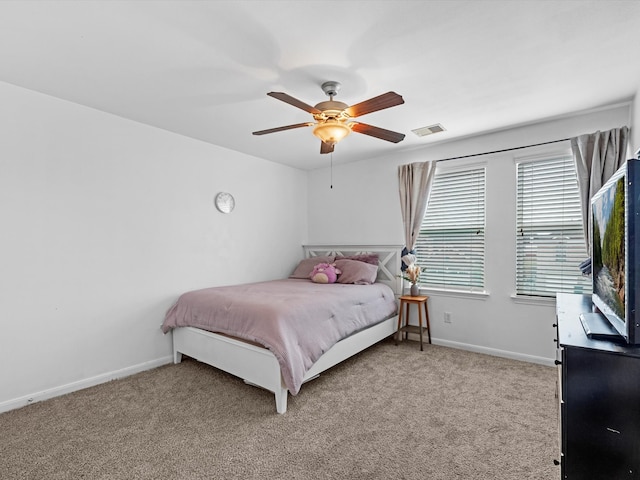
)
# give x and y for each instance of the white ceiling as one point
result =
(203, 68)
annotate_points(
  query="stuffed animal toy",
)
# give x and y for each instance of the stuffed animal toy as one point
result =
(324, 273)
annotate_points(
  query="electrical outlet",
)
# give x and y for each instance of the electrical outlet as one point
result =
(447, 317)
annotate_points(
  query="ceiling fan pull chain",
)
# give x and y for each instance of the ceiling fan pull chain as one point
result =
(332, 170)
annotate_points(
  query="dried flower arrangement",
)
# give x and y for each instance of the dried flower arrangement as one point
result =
(412, 273)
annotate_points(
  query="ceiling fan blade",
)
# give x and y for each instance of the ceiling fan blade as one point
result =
(377, 132)
(326, 148)
(280, 129)
(386, 100)
(294, 101)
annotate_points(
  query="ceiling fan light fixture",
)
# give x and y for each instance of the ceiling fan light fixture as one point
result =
(332, 118)
(331, 131)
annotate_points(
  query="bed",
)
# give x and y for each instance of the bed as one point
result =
(260, 361)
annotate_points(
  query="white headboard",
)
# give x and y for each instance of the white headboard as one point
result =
(388, 263)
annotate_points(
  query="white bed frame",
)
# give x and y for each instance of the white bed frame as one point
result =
(258, 366)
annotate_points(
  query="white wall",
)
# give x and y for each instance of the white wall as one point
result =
(635, 119)
(105, 221)
(363, 207)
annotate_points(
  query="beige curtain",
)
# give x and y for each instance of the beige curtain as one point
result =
(597, 156)
(415, 181)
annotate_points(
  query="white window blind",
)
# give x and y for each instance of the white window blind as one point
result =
(549, 235)
(451, 242)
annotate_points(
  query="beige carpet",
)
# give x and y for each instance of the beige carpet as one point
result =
(391, 412)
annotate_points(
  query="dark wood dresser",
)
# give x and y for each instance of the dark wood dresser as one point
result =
(599, 396)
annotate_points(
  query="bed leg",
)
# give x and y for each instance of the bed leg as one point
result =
(177, 357)
(281, 400)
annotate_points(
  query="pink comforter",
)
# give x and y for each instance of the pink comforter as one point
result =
(297, 320)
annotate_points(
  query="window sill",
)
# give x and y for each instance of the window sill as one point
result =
(533, 300)
(483, 295)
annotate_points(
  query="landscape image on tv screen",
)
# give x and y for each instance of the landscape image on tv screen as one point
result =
(608, 262)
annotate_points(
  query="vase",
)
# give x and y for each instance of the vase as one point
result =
(415, 290)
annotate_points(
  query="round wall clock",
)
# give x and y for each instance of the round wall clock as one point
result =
(225, 202)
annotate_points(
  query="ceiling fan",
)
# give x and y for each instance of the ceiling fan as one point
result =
(333, 118)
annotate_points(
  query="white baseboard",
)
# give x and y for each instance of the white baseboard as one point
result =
(82, 384)
(125, 372)
(489, 351)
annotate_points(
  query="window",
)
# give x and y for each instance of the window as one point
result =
(550, 239)
(451, 242)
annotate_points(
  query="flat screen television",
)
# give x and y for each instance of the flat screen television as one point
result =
(615, 237)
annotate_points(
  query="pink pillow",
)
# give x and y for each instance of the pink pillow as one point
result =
(354, 271)
(305, 267)
(371, 258)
